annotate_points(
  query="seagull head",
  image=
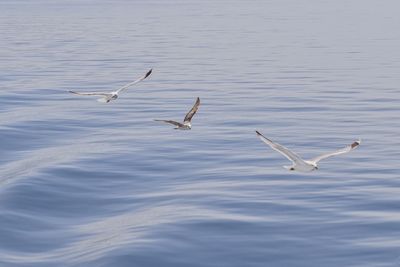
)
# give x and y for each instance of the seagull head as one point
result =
(315, 166)
(107, 99)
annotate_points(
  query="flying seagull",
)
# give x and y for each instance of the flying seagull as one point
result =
(304, 165)
(108, 96)
(186, 125)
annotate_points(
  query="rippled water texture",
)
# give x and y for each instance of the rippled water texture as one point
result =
(84, 183)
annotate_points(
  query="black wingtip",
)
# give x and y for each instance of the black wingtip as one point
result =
(148, 73)
(355, 144)
(260, 134)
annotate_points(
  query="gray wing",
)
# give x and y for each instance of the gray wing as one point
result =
(135, 82)
(193, 111)
(172, 122)
(281, 149)
(344, 150)
(91, 93)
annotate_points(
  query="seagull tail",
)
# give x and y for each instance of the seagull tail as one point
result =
(103, 100)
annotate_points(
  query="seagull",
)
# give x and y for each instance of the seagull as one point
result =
(304, 165)
(186, 125)
(108, 96)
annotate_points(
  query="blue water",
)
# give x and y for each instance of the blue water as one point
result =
(84, 183)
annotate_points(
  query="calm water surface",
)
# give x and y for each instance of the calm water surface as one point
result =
(89, 184)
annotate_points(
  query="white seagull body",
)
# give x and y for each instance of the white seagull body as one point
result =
(108, 96)
(304, 165)
(187, 122)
